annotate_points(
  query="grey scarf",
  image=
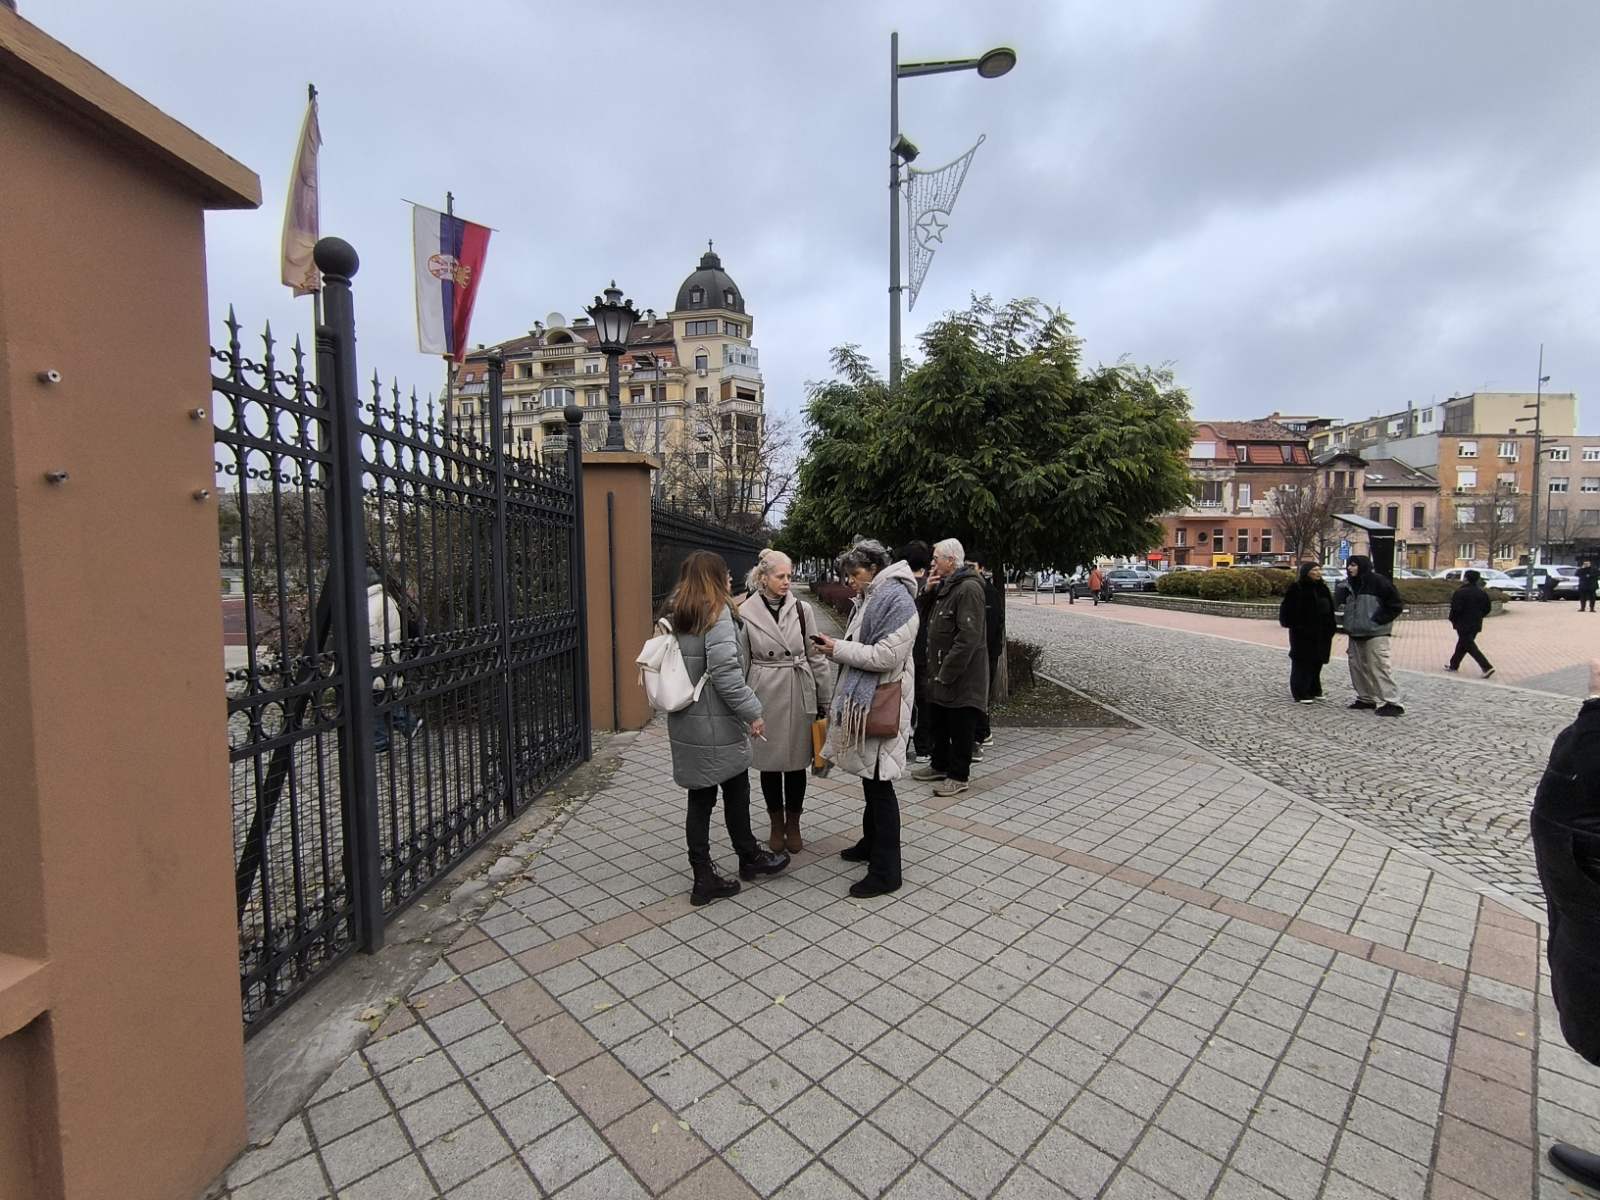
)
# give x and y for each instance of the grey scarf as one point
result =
(887, 609)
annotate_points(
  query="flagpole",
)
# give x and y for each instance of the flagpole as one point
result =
(316, 296)
(449, 211)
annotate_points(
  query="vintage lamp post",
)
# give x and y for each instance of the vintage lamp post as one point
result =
(613, 319)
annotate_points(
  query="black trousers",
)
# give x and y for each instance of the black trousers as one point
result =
(880, 830)
(784, 790)
(1305, 679)
(1467, 644)
(1586, 598)
(921, 727)
(983, 731)
(953, 732)
(735, 814)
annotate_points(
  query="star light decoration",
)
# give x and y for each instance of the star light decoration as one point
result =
(930, 198)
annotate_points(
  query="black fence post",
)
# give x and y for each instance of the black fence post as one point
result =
(580, 573)
(502, 596)
(358, 770)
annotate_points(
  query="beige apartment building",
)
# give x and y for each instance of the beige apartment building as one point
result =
(1412, 434)
(691, 386)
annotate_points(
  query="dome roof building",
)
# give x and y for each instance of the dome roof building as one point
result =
(709, 287)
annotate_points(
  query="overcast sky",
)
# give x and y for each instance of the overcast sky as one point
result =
(1316, 207)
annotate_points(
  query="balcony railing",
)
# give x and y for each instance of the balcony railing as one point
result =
(739, 370)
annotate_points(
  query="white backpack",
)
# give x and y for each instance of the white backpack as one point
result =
(663, 675)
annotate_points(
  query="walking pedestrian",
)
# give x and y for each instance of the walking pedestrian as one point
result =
(1469, 605)
(874, 653)
(994, 615)
(794, 683)
(958, 666)
(1307, 613)
(1588, 584)
(919, 557)
(711, 737)
(1370, 604)
(386, 634)
(1096, 583)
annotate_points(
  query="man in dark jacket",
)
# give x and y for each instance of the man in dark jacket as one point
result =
(1588, 585)
(958, 669)
(1370, 604)
(994, 612)
(919, 558)
(1468, 607)
(1566, 847)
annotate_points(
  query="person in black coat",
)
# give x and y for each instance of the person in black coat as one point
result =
(994, 613)
(919, 557)
(1588, 585)
(1566, 848)
(1307, 613)
(1468, 607)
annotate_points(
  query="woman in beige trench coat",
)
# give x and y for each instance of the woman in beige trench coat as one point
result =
(794, 683)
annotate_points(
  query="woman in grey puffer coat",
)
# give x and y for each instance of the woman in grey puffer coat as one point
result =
(711, 737)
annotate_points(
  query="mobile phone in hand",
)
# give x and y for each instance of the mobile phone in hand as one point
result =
(817, 639)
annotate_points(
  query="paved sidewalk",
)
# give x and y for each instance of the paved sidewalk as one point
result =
(1118, 968)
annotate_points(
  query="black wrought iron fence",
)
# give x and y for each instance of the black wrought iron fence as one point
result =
(408, 668)
(675, 535)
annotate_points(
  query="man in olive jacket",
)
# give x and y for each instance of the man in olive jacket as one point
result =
(958, 669)
(1371, 603)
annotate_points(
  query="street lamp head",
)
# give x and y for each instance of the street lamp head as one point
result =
(997, 62)
(613, 319)
(905, 149)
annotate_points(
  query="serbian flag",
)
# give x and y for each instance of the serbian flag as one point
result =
(449, 265)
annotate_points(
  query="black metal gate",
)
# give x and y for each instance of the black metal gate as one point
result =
(410, 666)
(675, 535)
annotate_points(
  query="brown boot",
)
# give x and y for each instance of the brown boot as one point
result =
(791, 833)
(775, 839)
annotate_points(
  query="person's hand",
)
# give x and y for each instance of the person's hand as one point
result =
(758, 728)
(1594, 677)
(825, 644)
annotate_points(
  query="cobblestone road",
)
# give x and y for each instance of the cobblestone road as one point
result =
(1453, 777)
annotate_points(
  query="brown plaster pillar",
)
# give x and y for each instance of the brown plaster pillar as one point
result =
(121, 1058)
(622, 553)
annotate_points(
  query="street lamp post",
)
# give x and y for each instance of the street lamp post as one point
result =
(1538, 451)
(613, 319)
(990, 65)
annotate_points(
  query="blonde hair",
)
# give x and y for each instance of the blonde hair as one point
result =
(766, 563)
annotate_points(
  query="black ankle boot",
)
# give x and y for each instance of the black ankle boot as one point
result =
(709, 886)
(761, 862)
(860, 852)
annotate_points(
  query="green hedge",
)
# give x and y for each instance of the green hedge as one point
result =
(1263, 584)
(1426, 591)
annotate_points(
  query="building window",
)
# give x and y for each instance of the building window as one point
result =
(702, 361)
(1506, 481)
(1466, 514)
(1466, 480)
(1203, 450)
(728, 298)
(697, 295)
(702, 395)
(1288, 453)
(1467, 450)
(1559, 484)
(1244, 495)
(1556, 518)
(593, 396)
(1560, 454)
(528, 405)
(1504, 550)
(1202, 537)
(1591, 454)
(1589, 516)
(1393, 515)
(1210, 493)
(1216, 536)
(1589, 484)
(468, 408)
(1372, 512)
(1180, 537)
(1242, 453)
(1427, 416)
(702, 459)
(699, 328)
(1467, 550)
(1419, 516)
(525, 434)
(1266, 541)
(1244, 541)
(636, 395)
(733, 329)
(658, 393)
(591, 368)
(1508, 451)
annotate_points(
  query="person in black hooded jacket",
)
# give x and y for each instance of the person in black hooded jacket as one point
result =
(1468, 607)
(1307, 613)
(1566, 847)
(1371, 603)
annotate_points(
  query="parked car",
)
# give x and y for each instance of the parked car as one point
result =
(1130, 579)
(1566, 581)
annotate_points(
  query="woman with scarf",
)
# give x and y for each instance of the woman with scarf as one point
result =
(711, 737)
(874, 652)
(1307, 613)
